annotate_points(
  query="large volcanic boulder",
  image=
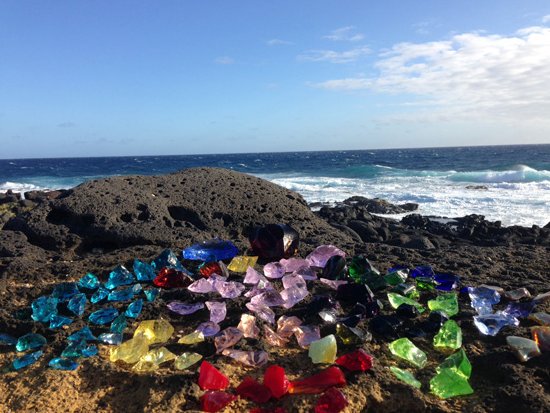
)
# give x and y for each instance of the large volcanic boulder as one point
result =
(173, 211)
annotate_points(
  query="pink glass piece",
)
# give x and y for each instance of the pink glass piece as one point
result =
(286, 325)
(332, 376)
(211, 378)
(294, 280)
(276, 381)
(293, 296)
(208, 329)
(274, 270)
(268, 298)
(227, 338)
(306, 273)
(273, 338)
(250, 358)
(252, 276)
(262, 311)
(201, 286)
(230, 289)
(213, 401)
(218, 311)
(251, 389)
(248, 326)
(305, 335)
(333, 283)
(254, 291)
(333, 401)
(292, 264)
(215, 279)
(320, 256)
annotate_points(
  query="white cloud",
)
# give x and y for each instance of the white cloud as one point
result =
(273, 42)
(345, 33)
(224, 60)
(470, 76)
(546, 18)
(334, 57)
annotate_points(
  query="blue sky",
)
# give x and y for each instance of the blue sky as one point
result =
(108, 78)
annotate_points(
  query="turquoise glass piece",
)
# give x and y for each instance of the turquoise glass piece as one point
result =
(166, 259)
(29, 341)
(152, 294)
(137, 288)
(57, 321)
(75, 348)
(447, 303)
(119, 276)
(64, 291)
(212, 250)
(144, 272)
(111, 338)
(8, 339)
(43, 308)
(121, 295)
(90, 351)
(84, 333)
(134, 309)
(63, 364)
(119, 324)
(77, 304)
(103, 316)
(99, 295)
(26, 360)
(458, 362)
(89, 282)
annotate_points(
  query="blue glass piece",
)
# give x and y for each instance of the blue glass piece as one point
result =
(8, 339)
(488, 295)
(63, 364)
(491, 324)
(482, 307)
(119, 324)
(447, 282)
(77, 304)
(121, 295)
(84, 333)
(26, 360)
(212, 250)
(43, 308)
(90, 351)
(152, 294)
(89, 282)
(166, 259)
(137, 288)
(29, 341)
(520, 309)
(57, 321)
(75, 348)
(144, 272)
(422, 271)
(111, 338)
(64, 291)
(99, 295)
(134, 309)
(103, 316)
(119, 276)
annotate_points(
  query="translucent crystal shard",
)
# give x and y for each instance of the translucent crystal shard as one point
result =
(192, 338)
(541, 335)
(8, 339)
(89, 282)
(487, 295)
(123, 294)
(201, 286)
(211, 378)
(43, 308)
(248, 326)
(251, 389)
(445, 302)
(57, 321)
(252, 276)
(211, 250)
(230, 289)
(425, 283)
(293, 296)
(99, 295)
(273, 338)
(406, 376)
(491, 324)
(166, 259)
(333, 401)
(151, 294)
(320, 255)
(214, 401)
(520, 309)
(517, 294)
(358, 360)
(186, 360)
(63, 364)
(185, 309)
(334, 284)
(274, 241)
(276, 381)
(262, 311)
(448, 383)
(208, 329)
(144, 272)
(351, 336)
(323, 350)
(218, 311)
(172, 278)
(335, 268)
(361, 267)
(64, 291)
(268, 298)
(26, 360)
(422, 271)
(318, 383)
(111, 338)
(227, 338)
(449, 336)
(28, 341)
(130, 351)
(397, 277)
(274, 270)
(542, 298)
(77, 304)
(153, 359)
(396, 300)
(249, 358)
(523, 348)
(75, 349)
(134, 309)
(240, 264)
(404, 348)
(305, 335)
(103, 316)
(459, 363)
(119, 276)
(119, 324)
(84, 333)
(287, 324)
(155, 331)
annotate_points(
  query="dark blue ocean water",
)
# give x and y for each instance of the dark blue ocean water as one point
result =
(517, 178)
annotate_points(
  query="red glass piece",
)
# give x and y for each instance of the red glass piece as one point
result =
(172, 278)
(264, 410)
(358, 360)
(274, 241)
(214, 401)
(332, 376)
(211, 378)
(333, 401)
(276, 381)
(251, 389)
(209, 268)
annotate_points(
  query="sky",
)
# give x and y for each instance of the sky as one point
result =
(175, 77)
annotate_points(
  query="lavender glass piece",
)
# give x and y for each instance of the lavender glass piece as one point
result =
(215, 279)
(269, 298)
(307, 334)
(293, 296)
(262, 311)
(250, 358)
(491, 324)
(519, 309)
(252, 276)
(287, 324)
(227, 338)
(185, 309)
(248, 326)
(292, 264)
(421, 271)
(482, 307)
(334, 284)
(230, 289)
(208, 329)
(254, 291)
(306, 273)
(274, 270)
(489, 295)
(218, 311)
(320, 256)
(201, 286)
(294, 280)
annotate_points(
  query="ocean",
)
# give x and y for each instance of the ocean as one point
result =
(515, 180)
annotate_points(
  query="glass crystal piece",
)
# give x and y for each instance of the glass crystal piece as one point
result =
(249, 358)
(334, 284)
(542, 298)
(351, 336)
(99, 295)
(489, 295)
(523, 348)
(201, 286)
(119, 276)
(251, 389)
(293, 280)
(320, 255)
(358, 360)
(28, 341)
(448, 383)
(143, 271)
(227, 338)
(273, 338)
(64, 291)
(214, 401)
(218, 311)
(166, 259)
(397, 277)
(517, 294)
(155, 331)
(185, 309)
(269, 298)
(262, 311)
(396, 300)
(305, 335)
(192, 338)
(252, 276)
(43, 308)
(457, 362)
(541, 335)
(425, 283)
(407, 290)
(241, 264)
(292, 264)
(306, 273)
(210, 378)
(276, 381)
(153, 359)
(446, 302)
(131, 350)
(318, 383)
(248, 326)
(323, 350)
(449, 336)
(374, 282)
(406, 376)
(293, 296)
(151, 294)
(274, 270)
(75, 348)
(208, 329)
(357, 293)
(335, 268)
(8, 339)
(446, 282)
(423, 271)
(119, 324)
(407, 311)
(274, 241)
(404, 348)
(186, 360)
(520, 309)
(134, 309)
(57, 321)
(63, 364)
(387, 325)
(26, 360)
(89, 282)
(211, 250)
(123, 294)
(361, 267)
(103, 316)
(172, 278)
(84, 333)
(77, 304)
(286, 325)
(491, 324)
(230, 289)
(111, 338)
(333, 401)
(90, 351)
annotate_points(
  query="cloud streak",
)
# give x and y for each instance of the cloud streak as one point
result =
(333, 56)
(274, 42)
(224, 60)
(345, 33)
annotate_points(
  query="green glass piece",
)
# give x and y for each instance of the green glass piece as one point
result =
(186, 360)
(29, 341)
(352, 336)
(405, 349)
(361, 267)
(448, 383)
(130, 351)
(407, 290)
(425, 283)
(155, 331)
(445, 302)
(119, 324)
(323, 350)
(457, 362)
(374, 282)
(396, 300)
(449, 336)
(195, 337)
(406, 376)
(397, 277)
(27, 359)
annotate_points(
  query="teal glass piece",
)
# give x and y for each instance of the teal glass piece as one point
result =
(152, 294)
(137, 288)
(99, 295)
(77, 304)
(111, 338)
(103, 316)
(121, 295)
(405, 349)
(458, 362)
(134, 309)
(90, 351)
(63, 364)
(75, 348)
(406, 376)
(396, 300)
(119, 276)
(64, 291)
(397, 277)
(144, 272)
(26, 360)
(119, 324)
(89, 282)
(449, 336)
(29, 341)
(84, 333)
(449, 383)
(8, 339)
(166, 259)
(43, 308)
(445, 302)
(57, 321)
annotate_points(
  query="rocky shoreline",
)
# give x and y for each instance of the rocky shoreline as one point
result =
(54, 237)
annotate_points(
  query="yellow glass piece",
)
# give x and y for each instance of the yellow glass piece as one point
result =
(241, 264)
(323, 350)
(186, 360)
(155, 331)
(153, 359)
(192, 338)
(131, 350)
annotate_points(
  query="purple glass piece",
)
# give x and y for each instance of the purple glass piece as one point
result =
(293, 296)
(201, 286)
(422, 271)
(333, 283)
(520, 309)
(185, 309)
(294, 280)
(252, 276)
(254, 291)
(215, 279)
(270, 298)
(292, 264)
(274, 270)
(208, 329)
(218, 311)
(320, 256)
(230, 289)
(262, 311)
(306, 273)
(227, 338)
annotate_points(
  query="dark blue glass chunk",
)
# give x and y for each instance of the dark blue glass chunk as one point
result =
(119, 276)
(447, 282)
(29, 341)
(89, 282)
(119, 324)
(64, 291)
(111, 338)
(212, 250)
(422, 271)
(8, 339)
(84, 333)
(26, 360)
(99, 295)
(43, 308)
(103, 316)
(134, 309)
(121, 295)
(57, 321)
(77, 304)
(63, 364)
(166, 259)
(144, 272)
